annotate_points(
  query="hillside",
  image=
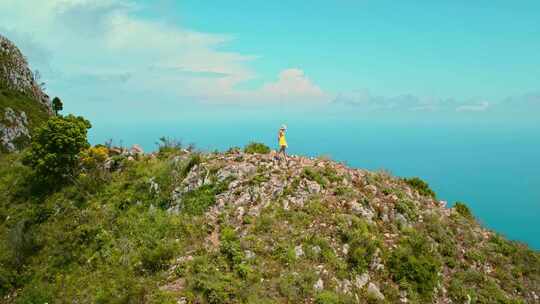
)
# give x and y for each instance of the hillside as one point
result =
(23, 104)
(177, 226)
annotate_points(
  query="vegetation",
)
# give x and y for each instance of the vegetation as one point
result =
(414, 266)
(421, 186)
(462, 209)
(162, 227)
(57, 105)
(255, 147)
(56, 147)
(36, 113)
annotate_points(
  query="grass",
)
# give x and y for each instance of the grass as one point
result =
(35, 111)
(255, 147)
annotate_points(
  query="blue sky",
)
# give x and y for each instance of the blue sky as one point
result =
(451, 59)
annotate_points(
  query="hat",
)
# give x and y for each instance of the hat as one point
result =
(283, 127)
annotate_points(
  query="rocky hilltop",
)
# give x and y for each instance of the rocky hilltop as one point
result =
(15, 74)
(178, 226)
(23, 104)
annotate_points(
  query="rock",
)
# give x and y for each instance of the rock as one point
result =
(373, 291)
(240, 213)
(361, 280)
(316, 249)
(182, 300)
(286, 205)
(358, 209)
(249, 254)
(313, 187)
(154, 187)
(345, 249)
(319, 285)
(15, 74)
(115, 151)
(345, 286)
(15, 130)
(136, 150)
(298, 251)
(372, 189)
(402, 221)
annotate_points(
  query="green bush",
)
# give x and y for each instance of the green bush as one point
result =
(230, 247)
(462, 209)
(408, 209)
(193, 161)
(215, 285)
(421, 186)
(54, 152)
(167, 145)
(327, 297)
(157, 258)
(362, 245)
(315, 176)
(255, 147)
(412, 264)
(196, 202)
(57, 105)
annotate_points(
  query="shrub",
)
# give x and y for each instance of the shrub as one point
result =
(420, 185)
(94, 157)
(168, 145)
(255, 147)
(57, 105)
(230, 247)
(315, 176)
(462, 209)
(412, 264)
(362, 245)
(157, 258)
(216, 286)
(327, 297)
(55, 149)
(407, 208)
(194, 160)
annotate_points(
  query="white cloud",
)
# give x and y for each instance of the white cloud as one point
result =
(292, 82)
(99, 41)
(479, 107)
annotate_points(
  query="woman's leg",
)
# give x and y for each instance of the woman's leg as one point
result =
(282, 151)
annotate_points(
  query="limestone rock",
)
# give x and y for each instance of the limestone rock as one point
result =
(373, 291)
(15, 74)
(13, 130)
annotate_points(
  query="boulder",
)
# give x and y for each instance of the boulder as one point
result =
(136, 150)
(319, 285)
(361, 280)
(374, 292)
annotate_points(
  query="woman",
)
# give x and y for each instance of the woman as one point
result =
(282, 141)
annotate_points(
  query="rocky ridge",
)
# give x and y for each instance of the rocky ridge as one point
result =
(392, 211)
(19, 94)
(15, 74)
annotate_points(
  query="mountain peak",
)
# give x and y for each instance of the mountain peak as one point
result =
(15, 73)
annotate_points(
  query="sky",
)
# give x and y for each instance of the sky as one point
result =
(150, 60)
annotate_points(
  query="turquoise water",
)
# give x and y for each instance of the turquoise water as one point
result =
(493, 168)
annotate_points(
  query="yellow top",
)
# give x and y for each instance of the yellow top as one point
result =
(282, 140)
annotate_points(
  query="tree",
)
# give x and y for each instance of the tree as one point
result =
(57, 105)
(55, 148)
